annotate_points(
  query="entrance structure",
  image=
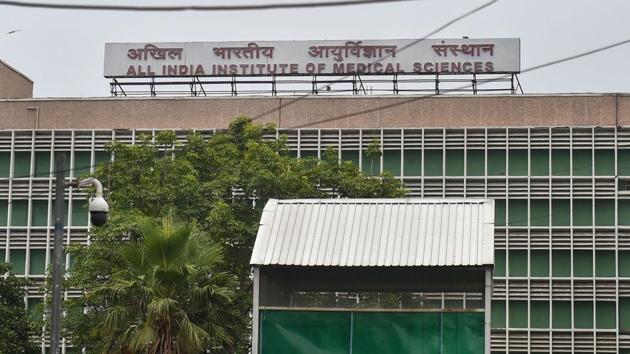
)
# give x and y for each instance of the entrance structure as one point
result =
(373, 276)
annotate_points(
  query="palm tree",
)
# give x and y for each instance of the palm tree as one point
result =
(169, 298)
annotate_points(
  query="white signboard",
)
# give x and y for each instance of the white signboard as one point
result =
(339, 57)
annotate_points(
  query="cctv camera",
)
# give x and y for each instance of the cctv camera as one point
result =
(98, 211)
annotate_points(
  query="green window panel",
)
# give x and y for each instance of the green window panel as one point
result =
(350, 156)
(540, 314)
(412, 160)
(561, 313)
(19, 212)
(79, 213)
(539, 263)
(624, 313)
(454, 162)
(475, 163)
(582, 162)
(4, 211)
(606, 318)
(82, 162)
(560, 263)
(496, 162)
(5, 163)
(604, 162)
(604, 212)
(498, 314)
(35, 307)
(560, 212)
(582, 212)
(539, 212)
(560, 162)
(371, 165)
(540, 162)
(21, 164)
(433, 163)
(101, 157)
(518, 263)
(623, 162)
(604, 263)
(624, 212)
(518, 163)
(461, 333)
(624, 263)
(391, 162)
(2, 255)
(499, 263)
(17, 258)
(39, 213)
(67, 164)
(499, 212)
(42, 163)
(518, 314)
(582, 263)
(583, 314)
(517, 212)
(37, 262)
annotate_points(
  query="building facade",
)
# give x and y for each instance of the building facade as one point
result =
(558, 167)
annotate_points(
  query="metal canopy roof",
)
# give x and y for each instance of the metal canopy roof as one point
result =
(376, 232)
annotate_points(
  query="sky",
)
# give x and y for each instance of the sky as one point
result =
(62, 51)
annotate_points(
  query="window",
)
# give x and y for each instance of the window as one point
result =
(605, 315)
(82, 162)
(583, 263)
(604, 212)
(498, 314)
(476, 163)
(371, 165)
(560, 212)
(39, 212)
(391, 162)
(604, 162)
(623, 162)
(412, 162)
(624, 263)
(350, 156)
(518, 314)
(582, 162)
(582, 212)
(79, 213)
(454, 162)
(624, 212)
(101, 157)
(539, 212)
(499, 212)
(561, 311)
(21, 164)
(433, 162)
(517, 215)
(540, 162)
(518, 263)
(5, 163)
(42, 163)
(499, 263)
(604, 263)
(624, 313)
(496, 162)
(37, 262)
(67, 165)
(540, 314)
(19, 212)
(560, 263)
(35, 309)
(4, 210)
(539, 263)
(560, 162)
(17, 260)
(518, 164)
(583, 314)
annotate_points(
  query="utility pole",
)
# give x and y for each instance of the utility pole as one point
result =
(60, 184)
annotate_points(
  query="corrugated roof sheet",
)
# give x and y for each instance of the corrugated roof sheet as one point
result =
(376, 232)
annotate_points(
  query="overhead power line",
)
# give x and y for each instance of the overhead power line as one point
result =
(248, 7)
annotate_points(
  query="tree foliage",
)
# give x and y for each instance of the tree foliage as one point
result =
(220, 183)
(15, 325)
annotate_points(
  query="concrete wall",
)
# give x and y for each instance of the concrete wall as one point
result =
(13, 84)
(319, 111)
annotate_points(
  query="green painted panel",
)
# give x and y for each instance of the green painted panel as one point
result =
(560, 263)
(582, 212)
(5, 163)
(42, 163)
(539, 314)
(39, 213)
(499, 263)
(624, 212)
(604, 212)
(517, 212)
(67, 163)
(561, 312)
(21, 164)
(304, 332)
(582, 162)
(605, 263)
(4, 211)
(518, 263)
(350, 156)
(583, 314)
(496, 162)
(79, 213)
(17, 258)
(606, 318)
(604, 162)
(539, 265)
(539, 212)
(582, 263)
(624, 313)
(540, 162)
(518, 163)
(412, 160)
(82, 162)
(433, 163)
(380, 332)
(476, 162)
(518, 314)
(560, 212)
(498, 314)
(560, 162)
(391, 162)
(462, 333)
(37, 262)
(454, 162)
(623, 162)
(499, 212)
(19, 212)
(624, 263)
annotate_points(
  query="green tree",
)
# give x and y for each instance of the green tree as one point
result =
(219, 182)
(15, 325)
